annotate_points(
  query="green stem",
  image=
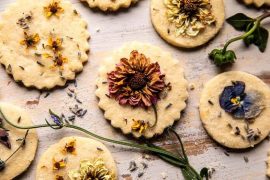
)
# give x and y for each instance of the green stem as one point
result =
(256, 24)
(156, 116)
(189, 172)
(125, 143)
(21, 145)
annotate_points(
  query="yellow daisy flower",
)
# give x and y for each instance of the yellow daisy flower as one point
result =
(30, 40)
(59, 164)
(139, 126)
(53, 8)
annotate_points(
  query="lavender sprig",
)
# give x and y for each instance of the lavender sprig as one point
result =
(181, 161)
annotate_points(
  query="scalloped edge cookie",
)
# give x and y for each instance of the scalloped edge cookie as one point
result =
(121, 116)
(220, 125)
(257, 3)
(165, 29)
(36, 66)
(86, 149)
(110, 5)
(20, 162)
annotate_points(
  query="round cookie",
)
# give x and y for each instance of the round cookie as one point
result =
(257, 3)
(234, 109)
(135, 118)
(23, 158)
(110, 5)
(64, 159)
(173, 35)
(43, 43)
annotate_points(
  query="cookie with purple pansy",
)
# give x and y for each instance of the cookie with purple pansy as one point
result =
(234, 109)
(141, 89)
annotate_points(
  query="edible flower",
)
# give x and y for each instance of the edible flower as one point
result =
(70, 147)
(91, 170)
(241, 105)
(58, 177)
(59, 61)
(30, 40)
(55, 43)
(189, 17)
(4, 138)
(139, 126)
(136, 81)
(58, 164)
(53, 8)
(56, 119)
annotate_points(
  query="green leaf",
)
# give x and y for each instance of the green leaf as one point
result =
(258, 38)
(261, 38)
(204, 173)
(240, 21)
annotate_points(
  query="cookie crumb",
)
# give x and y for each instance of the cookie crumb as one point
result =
(164, 175)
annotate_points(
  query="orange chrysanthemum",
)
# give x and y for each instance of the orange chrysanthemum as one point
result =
(136, 81)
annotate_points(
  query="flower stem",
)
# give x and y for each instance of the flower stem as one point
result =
(188, 171)
(125, 143)
(256, 24)
(21, 145)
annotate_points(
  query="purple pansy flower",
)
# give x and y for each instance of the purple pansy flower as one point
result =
(240, 104)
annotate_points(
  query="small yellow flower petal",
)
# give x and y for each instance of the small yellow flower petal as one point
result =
(58, 177)
(58, 164)
(53, 8)
(70, 148)
(30, 40)
(139, 126)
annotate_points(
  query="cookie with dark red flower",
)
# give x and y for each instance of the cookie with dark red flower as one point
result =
(110, 5)
(43, 43)
(141, 89)
(234, 109)
(10, 140)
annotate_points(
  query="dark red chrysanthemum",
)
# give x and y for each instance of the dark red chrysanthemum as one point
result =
(136, 81)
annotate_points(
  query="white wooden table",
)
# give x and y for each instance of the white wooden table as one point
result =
(135, 24)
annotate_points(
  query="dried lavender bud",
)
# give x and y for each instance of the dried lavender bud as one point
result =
(4, 138)
(2, 165)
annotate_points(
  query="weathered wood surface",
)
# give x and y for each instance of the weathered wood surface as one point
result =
(135, 24)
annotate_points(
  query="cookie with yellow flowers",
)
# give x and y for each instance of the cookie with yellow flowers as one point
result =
(257, 3)
(110, 5)
(17, 147)
(43, 43)
(187, 23)
(76, 158)
(141, 89)
(234, 109)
